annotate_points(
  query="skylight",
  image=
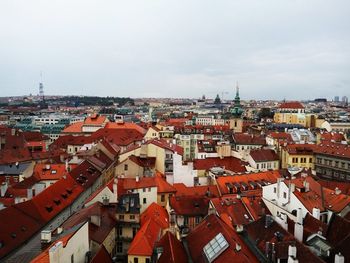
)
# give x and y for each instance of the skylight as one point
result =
(215, 247)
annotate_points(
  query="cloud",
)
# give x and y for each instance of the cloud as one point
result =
(275, 49)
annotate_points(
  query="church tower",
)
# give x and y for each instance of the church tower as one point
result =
(236, 121)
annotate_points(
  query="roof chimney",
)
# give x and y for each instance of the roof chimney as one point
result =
(339, 258)
(3, 189)
(316, 213)
(337, 191)
(96, 220)
(137, 178)
(292, 251)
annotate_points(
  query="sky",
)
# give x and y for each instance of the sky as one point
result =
(274, 49)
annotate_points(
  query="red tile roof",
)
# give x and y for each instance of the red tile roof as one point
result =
(50, 171)
(148, 162)
(162, 185)
(145, 239)
(280, 136)
(200, 190)
(332, 136)
(102, 256)
(95, 119)
(246, 182)
(120, 137)
(190, 205)
(228, 163)
(158, 214)
(206, 231)
(74, 128)
(96, 233)
(248, 139)
(333, 149)
(52, 200)
(264, 155)
(291, 105)
(313, 198)
(301, 149)
(261, 234)
(125, 125)
(173, 250)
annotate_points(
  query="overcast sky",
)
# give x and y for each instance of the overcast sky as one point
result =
(293, 49)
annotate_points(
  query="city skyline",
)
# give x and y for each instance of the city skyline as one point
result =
(293, 50)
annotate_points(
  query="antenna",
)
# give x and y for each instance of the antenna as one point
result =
(41, 86)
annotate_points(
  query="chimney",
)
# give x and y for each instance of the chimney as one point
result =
(298, 227)
(47, 166)
(3, 189)
(292, 187)
(239, 228)
(96, 220)
(292, 251)
(105, 201)
(137, 178)
(29, 193)
(316, 213)
(339, 258)
(238, 247)
(46, 236)
(337, 191)
(306, 186)
(67, 166)
(115, 188)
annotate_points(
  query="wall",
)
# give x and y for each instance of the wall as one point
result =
(77, 246)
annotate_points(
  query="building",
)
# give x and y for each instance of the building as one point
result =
(297, 156)
(263, 159)
(236, 121)
(333, 161)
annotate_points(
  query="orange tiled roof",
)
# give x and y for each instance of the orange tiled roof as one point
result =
(145, 239)
(125, 125)
(291, 105)
(158, 214)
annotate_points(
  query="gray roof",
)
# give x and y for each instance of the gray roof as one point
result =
(13, 169)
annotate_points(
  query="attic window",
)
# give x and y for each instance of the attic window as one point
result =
(53, 172)
(215, 247)
(49, 208)
(2, 244)
(69, 190)
(57, 201)
(13, 235)
(23, 228)
(64, 195)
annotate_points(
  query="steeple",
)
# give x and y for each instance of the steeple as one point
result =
(237, 110)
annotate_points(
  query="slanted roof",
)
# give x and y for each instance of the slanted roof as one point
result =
(145, 239)
(228, 163)
(206, 231)
(190, 205)
(157, 213)
(173, 250)
(291, 105)
(264, 155)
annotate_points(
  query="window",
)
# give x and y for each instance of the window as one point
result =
(119, 231)
(284, 195)
(149, 189)
(148, 260)
(121, 217)
(134, 231)
(136, 260)
(144, 200)
(132, 217)
(72, 258)
(186, 221)
(197, 220)
(310, 160)
(162, 198)
(215, 247)
(125, 167)
(275, 189)
(119, 247)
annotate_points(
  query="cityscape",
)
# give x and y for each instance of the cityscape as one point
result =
(194, 132)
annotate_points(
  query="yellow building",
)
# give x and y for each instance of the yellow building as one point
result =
(298, 155)
(294, 113)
